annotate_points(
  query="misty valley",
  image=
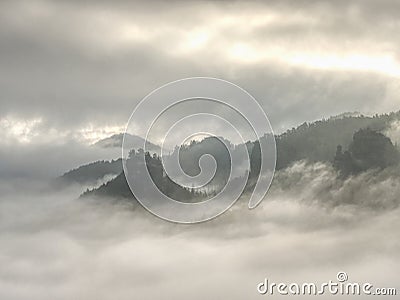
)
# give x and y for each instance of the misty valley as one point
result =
(349, 145)
(333, 205)
(201, 149)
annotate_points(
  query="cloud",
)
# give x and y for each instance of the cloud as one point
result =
(55, 246)
(79, 63)
(76, 68)
(372, 190)
(393, 132)
(42, 160)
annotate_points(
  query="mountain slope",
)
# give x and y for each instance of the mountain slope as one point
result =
(318, 141)
(92, 172)
(118, 187)
(313, 142)
(135, 142)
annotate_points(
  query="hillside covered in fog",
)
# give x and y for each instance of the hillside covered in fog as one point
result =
(351, 144)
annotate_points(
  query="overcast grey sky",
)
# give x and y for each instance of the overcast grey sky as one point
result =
(72, 71)
(77, 68)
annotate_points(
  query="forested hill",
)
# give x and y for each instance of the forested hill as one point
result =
(317, 141)
(92, 172)
(369, 149)
(133, 141)
(118, 186)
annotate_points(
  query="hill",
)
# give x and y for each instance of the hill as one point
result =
(317, 141)
(134, 142)
(118, 187)
(368, 150)
(313, 142)
(92, 172)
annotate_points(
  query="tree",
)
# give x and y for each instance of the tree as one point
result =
(372, 149)
(369, 149)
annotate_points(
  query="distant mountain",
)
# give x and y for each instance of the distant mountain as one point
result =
(134, 142)
(118, 186)
(91, 173)
(347, 115)
(318, 141)
(368, 150)
(313, 142)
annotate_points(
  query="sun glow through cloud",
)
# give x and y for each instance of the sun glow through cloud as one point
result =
(27, 131)
(24, 131)
(384, 64)
(91, 134)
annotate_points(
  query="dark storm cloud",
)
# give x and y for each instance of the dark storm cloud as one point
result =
(74, 62)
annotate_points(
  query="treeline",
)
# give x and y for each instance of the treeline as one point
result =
(118, 187)
(362, 137)
(369, 149)
(318, 141)
(92, 172)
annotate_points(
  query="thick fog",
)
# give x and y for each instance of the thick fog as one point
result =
(46, 160)
(393, 132)
(54, 245)
(71, 72)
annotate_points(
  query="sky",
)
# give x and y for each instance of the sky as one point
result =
(76, 69)
(71, 73)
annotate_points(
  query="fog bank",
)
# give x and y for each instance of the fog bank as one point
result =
(56, 246)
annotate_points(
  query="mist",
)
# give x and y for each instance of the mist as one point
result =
(72, 72)
(55, 245)
(43, 161)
